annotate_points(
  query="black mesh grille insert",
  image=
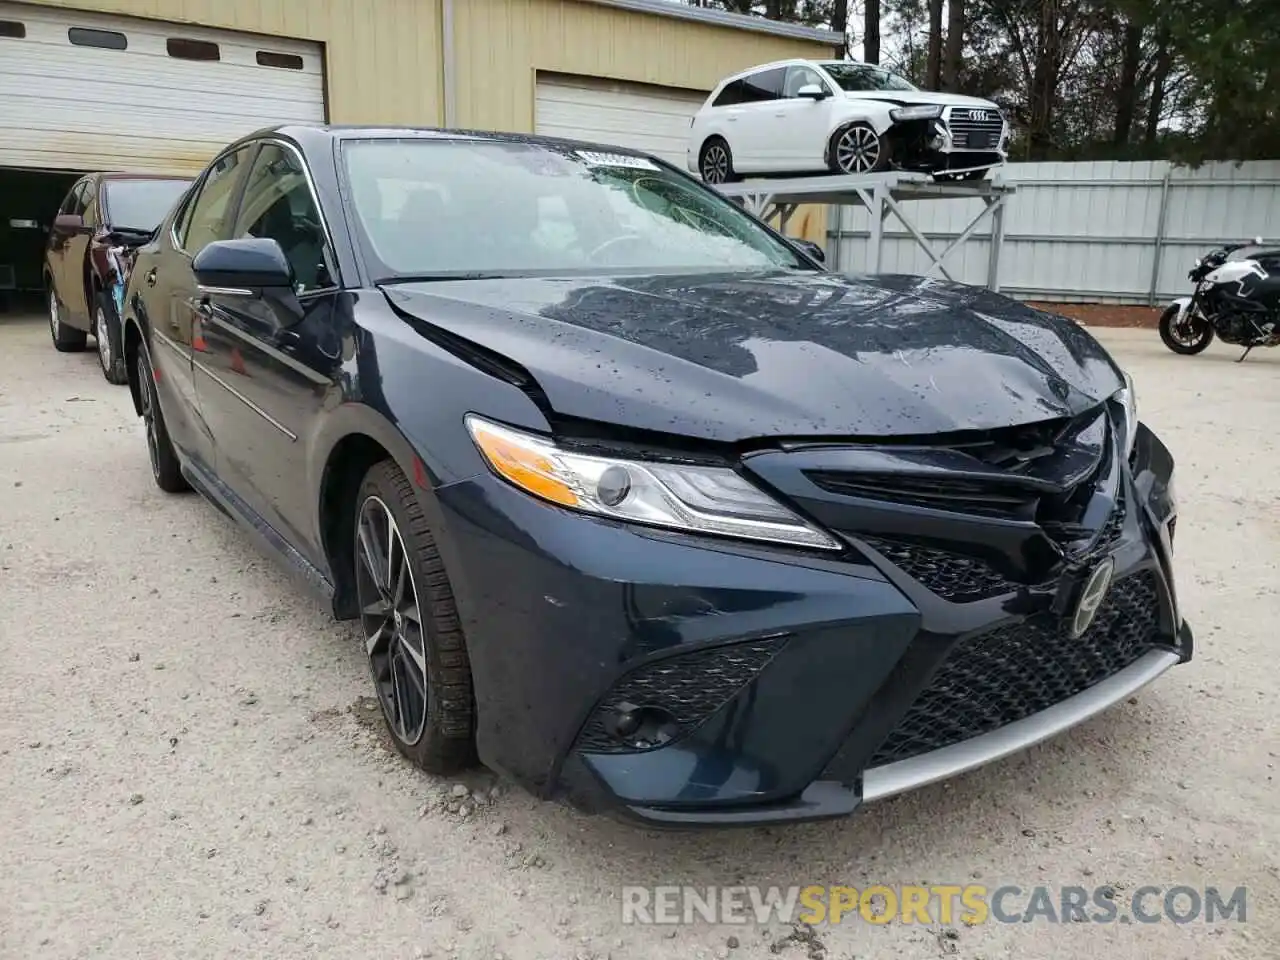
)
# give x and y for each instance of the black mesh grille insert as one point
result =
(1013, 672)
(690, 688)
(951, 576)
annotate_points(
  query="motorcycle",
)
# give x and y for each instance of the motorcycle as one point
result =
(1235, 298)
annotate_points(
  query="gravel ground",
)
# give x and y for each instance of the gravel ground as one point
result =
(191, 768)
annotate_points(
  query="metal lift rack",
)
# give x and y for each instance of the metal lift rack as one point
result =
(882, 194)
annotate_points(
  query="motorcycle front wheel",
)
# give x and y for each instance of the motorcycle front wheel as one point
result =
(1190, 336)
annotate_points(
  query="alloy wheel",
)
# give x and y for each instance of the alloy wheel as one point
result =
(858, 150)
(102, 335)
(715, 164)
(53, 314)
(392, 621)
(146, 400)
(1190, 331)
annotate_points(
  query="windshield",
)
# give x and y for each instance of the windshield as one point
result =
(435, 208)
(141, 204)
(861, 77)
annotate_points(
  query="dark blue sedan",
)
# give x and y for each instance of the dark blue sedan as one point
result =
(632, 499)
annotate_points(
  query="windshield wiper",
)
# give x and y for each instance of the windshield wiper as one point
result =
(439, 277)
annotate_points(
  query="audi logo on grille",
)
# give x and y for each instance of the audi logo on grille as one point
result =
(981, 115)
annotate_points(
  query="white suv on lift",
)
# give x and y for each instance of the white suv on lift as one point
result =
(840, 116)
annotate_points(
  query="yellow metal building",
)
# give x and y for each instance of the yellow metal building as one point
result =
(160, 85)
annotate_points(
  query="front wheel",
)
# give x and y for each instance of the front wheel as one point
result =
(106, 330)
(1192, 335)
(858, 149)
(412, 634)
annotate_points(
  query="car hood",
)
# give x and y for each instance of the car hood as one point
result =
(902, 97)
(739, 357)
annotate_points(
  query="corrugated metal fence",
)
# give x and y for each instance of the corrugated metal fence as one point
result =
(1103, 232)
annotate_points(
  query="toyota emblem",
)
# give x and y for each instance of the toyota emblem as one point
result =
(1092, 595)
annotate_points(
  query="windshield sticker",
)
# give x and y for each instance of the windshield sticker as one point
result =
(596, 159)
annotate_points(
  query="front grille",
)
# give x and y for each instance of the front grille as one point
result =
(969, 133)
(1013, 672)
(958, 494)
(952, 576)
(688, 688)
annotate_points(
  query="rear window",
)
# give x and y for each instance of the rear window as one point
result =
(141, 204)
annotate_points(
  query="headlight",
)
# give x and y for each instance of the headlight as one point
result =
(922, 112)
(696, 499)
(1127, 400)
(1199, 260)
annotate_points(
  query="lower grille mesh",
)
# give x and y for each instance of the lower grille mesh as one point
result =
(690, 688)
(1011, 673)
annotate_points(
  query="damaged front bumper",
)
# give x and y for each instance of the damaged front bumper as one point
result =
(679, 680)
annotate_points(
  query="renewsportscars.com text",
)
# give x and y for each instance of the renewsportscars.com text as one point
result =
(969, 904)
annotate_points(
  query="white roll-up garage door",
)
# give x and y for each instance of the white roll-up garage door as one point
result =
(81, 91)
(653, 119)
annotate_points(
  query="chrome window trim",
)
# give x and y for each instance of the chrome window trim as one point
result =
(331, 247)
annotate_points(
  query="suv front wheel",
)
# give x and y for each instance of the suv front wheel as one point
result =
(858, 149)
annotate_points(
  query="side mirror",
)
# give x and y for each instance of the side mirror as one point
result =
(242, 267)
(811, 91)
(68, 223)
(812, 249)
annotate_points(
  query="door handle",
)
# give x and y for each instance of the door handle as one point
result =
(151, 277)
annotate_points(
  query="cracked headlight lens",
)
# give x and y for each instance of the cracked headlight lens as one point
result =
(695, 499)
(1127, 400)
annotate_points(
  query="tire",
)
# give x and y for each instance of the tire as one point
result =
(165, 467)
(65, 339)
(106, 330)
(419, 664)
(858, 140)
(715, 162)
(1202, 339)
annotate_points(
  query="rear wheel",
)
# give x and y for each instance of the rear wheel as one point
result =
(106, 330)
(65, 339)
(165, 467)
(1191, 336)
(715, 162)
(413, 638)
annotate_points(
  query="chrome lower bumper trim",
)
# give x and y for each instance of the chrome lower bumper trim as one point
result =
(894, 778)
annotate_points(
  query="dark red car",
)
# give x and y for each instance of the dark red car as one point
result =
(102, 220)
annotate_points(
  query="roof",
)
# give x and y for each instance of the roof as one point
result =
(308, 135)
(679, 10)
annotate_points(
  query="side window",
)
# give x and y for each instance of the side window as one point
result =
(765, 85)
(91, 207)
(730, 95)
(72, 197)
(75, 201)
(278, 204)
(801, 76)
(205, 217)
